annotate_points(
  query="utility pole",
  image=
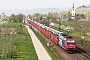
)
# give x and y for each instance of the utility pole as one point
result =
(59, 17)
(59, 24)
(48, 19)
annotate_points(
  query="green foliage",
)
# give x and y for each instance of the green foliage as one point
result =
(19, 18)
(36, 14)
(70, 19)
(10, 25)
(16, 18)
(12, 18)
(88, 15)
(83, 16)
(45, 22)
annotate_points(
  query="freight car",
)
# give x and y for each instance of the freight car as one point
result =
(65, 41)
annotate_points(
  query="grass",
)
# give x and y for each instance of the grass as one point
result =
(26, 49)
(19, 46)
(50, 52)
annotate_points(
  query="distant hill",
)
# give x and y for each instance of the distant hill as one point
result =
(83, 9)
(43, 10)
(83, 6)
(31, 11)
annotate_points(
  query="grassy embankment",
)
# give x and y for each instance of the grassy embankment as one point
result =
(17, 46)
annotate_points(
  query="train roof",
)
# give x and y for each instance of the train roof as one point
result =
(66, 36)
(38, 23)
(48, 28)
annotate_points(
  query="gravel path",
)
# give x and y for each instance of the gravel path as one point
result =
(41, 52)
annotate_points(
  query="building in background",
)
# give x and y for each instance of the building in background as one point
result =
(3, 17)
(73, 12)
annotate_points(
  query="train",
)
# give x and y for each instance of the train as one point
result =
(59, 38)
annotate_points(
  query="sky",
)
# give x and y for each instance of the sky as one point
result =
(33, 4)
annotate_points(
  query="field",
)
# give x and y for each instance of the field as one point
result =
(15, 43)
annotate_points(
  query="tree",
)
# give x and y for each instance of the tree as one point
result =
(16, 18)
(69, 14)
(88, 15)
(19, 18)
(83, 16)
(13, 18)
(36, 14)
(41, 18)
(54, 18)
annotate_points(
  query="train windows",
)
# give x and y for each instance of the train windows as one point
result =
(70, 42)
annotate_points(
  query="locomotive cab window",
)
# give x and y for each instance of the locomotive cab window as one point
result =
(70, 42)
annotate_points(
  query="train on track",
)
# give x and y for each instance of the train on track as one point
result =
(59, 38)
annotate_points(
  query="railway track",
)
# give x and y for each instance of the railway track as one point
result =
(77, 57)
(79, 54)
(84, 52)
